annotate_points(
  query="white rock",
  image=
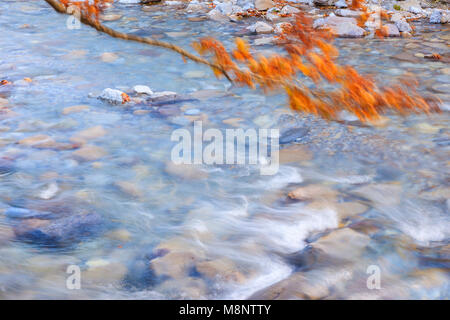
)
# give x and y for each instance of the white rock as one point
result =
(439, 16)
(225, 8)
(248, 6)
(347, 13)
(272, 14)
(403, 26)
(50, 192)
(341, 4)
(397, 17)
(289, 10)
(415, 10)
(142, 90)
(348, 30)
(279, 27)
(216, 15)
(260, 27)
(173, 3)
(111, 95)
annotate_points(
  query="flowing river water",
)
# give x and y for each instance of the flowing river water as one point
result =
(379, 199)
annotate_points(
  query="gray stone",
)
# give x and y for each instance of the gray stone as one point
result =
(324, 2)
(348, 30)
(112, 96)
(391, 30)
(216, 15)
(341, 4)
(439, 16)
(293, 135)
(59, 232)
(403, 26)
(289, 10)
(347, 13)
(142, 90)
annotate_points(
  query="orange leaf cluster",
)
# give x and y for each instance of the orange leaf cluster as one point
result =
(125, 98)
(309, 54)
(91, 8)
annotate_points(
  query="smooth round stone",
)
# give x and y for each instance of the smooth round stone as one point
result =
(110, 17)
(445, 71)
(192, 112)
(442, 88)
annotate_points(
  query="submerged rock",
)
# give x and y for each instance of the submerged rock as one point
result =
(63, 231)
(186, 288)
(381, 194)
(49, 192)
(297, 286)
(75, 109)
(293, 135)
(185, 171)
(343, 244)
(6, 167)
(313, 191)
(89, 153)
(174, 258)
(23, 213)
(220, 269)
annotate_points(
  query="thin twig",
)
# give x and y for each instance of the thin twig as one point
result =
(87, 20)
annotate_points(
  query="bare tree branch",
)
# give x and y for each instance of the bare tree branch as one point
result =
(94, 23)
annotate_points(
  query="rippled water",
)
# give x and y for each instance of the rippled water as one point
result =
(216, 231)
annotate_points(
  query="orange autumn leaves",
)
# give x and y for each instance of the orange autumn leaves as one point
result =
(87, 7)
(308, 71)
(332, 87)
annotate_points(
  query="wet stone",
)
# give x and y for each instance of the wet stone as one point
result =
(220, 269)
(293, 135)
(59, 232)
(6, 167)
(89, 153)
(75, 109)
(23, 213)
(310, 192)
